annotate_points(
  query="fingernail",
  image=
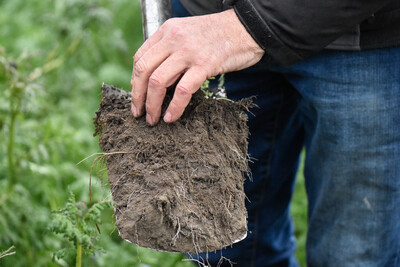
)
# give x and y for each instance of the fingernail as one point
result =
(149, 119)
(134, 110)
(168, 117)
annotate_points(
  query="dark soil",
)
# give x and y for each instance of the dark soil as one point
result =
(176, 187)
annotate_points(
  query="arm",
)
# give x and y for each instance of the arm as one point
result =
(290, 30)
(196, 48)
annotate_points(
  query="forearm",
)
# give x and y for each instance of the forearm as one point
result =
(290, 30)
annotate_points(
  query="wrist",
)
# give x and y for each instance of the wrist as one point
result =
(237, 27)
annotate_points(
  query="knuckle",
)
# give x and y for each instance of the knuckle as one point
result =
(177, 33)
(202, 64)
(183, 90)
(155, 81)
(168, 23)
(140, 67)
(206, 72)
(203, 61)
(188, 48)
(136, 97)
(137, 57)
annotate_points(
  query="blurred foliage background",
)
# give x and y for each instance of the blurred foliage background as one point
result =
(54, 55)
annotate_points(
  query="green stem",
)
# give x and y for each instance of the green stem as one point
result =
(78, 254)
(28, 252)
(10, 148)
(15, 107)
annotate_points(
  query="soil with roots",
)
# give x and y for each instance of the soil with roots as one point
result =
(176, 187)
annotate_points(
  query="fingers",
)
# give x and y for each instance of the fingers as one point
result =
(163, 77)
(142, 69)
(187, 86)
(155, 38)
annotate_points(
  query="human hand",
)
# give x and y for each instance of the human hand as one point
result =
(193, 48)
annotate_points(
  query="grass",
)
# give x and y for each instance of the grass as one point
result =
(299, 214)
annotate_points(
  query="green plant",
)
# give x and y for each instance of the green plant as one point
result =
(298, 211)
(13, 87)
(17, 77)
(77, 224)
(205, 88)
(7, 252)
(61, 51)
(221, 81)
(214, 92)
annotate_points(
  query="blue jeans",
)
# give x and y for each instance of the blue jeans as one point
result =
(344, 108)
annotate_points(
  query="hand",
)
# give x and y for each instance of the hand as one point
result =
(192, 49)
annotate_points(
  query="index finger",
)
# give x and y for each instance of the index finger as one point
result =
(142, 69)
(138, 97)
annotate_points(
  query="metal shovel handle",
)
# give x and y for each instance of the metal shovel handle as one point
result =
(154, 14)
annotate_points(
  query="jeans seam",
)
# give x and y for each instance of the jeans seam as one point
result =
(267, 172)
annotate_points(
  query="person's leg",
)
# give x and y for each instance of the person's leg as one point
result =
(275, 142)
(276, 139)
(351, 107)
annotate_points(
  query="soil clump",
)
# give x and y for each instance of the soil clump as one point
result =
(176, 187)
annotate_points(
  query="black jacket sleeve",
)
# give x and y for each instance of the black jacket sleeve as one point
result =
(291, 30)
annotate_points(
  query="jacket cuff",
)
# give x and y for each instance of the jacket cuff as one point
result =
(262, 33)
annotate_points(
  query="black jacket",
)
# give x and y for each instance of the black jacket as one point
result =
(290, 30)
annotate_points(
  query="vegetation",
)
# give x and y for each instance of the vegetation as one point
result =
(54, 54)
(299, 212)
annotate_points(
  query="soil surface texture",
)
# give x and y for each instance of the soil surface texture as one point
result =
(176, 187)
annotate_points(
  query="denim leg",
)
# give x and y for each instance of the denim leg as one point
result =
(351, 110)
(275, 143)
